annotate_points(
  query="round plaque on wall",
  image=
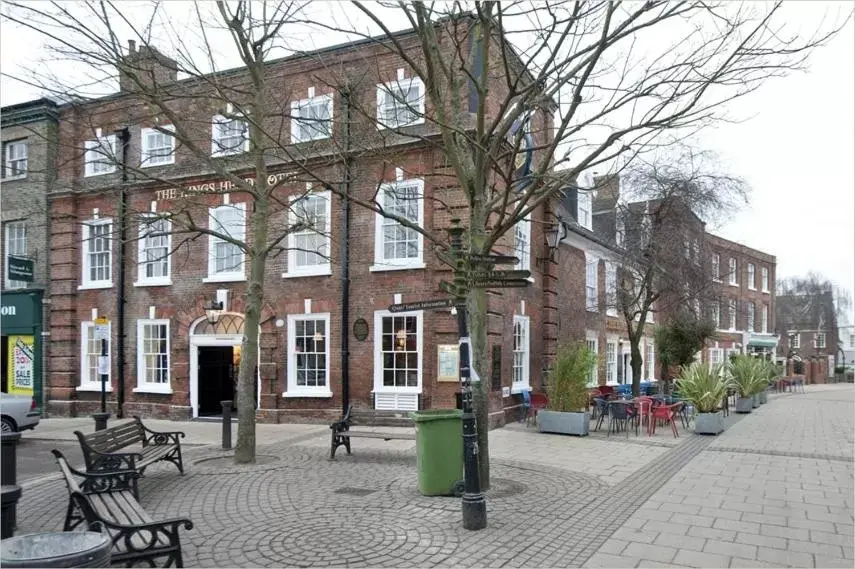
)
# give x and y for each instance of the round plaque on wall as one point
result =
(360, 329)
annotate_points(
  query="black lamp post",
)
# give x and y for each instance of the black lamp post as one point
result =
(554, 236)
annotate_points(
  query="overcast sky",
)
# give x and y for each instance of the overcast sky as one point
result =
(795, 148)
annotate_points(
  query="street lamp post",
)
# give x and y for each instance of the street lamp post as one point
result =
(474, 504)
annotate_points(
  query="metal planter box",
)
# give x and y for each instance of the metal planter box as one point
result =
(563, 423)
(744, 404)
(764, 397)
(709, 423)
(755, 401)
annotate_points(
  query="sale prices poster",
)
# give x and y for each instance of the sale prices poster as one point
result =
(21, 364)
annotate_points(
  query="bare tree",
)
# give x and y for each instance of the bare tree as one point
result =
(522, 97)
(660, 226)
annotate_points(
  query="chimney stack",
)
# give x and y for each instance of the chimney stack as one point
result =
(149, 66)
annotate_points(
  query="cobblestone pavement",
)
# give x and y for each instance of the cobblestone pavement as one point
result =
(774, 490)
(554, 501)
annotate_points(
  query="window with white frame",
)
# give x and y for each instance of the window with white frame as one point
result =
(97, 253)
(819, 340)
(732, 277)
(764, 279)
(592, 343)
(522, 354)
(716, 267)
(645, 230)
(153, 355)
(400, 352)
(157, 146)
(15, 159)
(591, 269)
(584, 201)
(225, 256)
(155, 248)
(650, 361)
(611, 289)
(309, 355)
(15, 239)
(100, 156)
(796, 338)
(522, 243)
(401, 103)
(228, 136)
(309, 247)
(611, 362)
(752, 283)
(715, 313)
(397, 245)
(852, 340)
(764, 319)
(731, 314)
(715, 356)
(311, 119)
(90, 350)
(749, 316)
(620, 228)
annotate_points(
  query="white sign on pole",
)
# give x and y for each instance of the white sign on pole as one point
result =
(103, 365)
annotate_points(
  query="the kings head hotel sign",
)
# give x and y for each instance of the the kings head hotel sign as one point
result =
(215, 187)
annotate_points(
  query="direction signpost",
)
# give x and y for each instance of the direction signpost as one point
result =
(500, 283)
(102, 332)
(422, 305)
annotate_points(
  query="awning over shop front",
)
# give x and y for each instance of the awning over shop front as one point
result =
(763, 341)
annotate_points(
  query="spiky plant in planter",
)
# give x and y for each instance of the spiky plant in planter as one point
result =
(567, 410)
(748, 377)
(705, 387)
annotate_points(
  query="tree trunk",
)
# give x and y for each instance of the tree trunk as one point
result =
(635, 364)
(480, 390)
(247, 379)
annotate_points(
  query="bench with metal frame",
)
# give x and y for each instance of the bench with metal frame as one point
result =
(99, 448)
(105, 502)
(342, 433)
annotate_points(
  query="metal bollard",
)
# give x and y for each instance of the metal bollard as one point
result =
(100, 420)
(11, 492)
(227, 424)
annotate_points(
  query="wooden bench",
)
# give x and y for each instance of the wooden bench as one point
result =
(99, 448)
(342, 433)
(105, 502)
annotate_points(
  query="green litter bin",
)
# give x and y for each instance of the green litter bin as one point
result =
(439, 450)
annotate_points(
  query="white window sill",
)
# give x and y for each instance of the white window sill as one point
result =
(518, 388)
(398, 390)
(96, 387)
(95, 286)
(376, 268)
(294, 141)
(734, 284)
(752, 288)
(153, 389)
(96, 174)
(307, 394)
(612, 313)
(223, 153)
(156, 164)
(383, 126)
(153, 282)
(765, 291)
(591, 309)
(13, 178)
(322, 272)
(224, 278)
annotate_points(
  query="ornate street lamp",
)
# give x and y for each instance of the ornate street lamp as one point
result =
(213, 312)
(554, 236)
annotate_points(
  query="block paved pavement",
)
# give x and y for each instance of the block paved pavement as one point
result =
(774, 490)
(554, 501)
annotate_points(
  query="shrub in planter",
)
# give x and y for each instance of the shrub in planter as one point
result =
(705, 388)
(748, 378)
(567, 410)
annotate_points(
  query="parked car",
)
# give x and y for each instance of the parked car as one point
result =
(18, 412)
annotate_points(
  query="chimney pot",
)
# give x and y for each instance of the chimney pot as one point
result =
(132, 46)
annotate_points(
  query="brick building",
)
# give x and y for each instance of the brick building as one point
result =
(743, 301)
(28, 146)
(175, 363)
(809, 333)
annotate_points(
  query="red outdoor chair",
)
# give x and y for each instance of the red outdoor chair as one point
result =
(666, 414)
(538, 402)
(644, 407)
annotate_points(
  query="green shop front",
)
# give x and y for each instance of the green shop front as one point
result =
(21, 329)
